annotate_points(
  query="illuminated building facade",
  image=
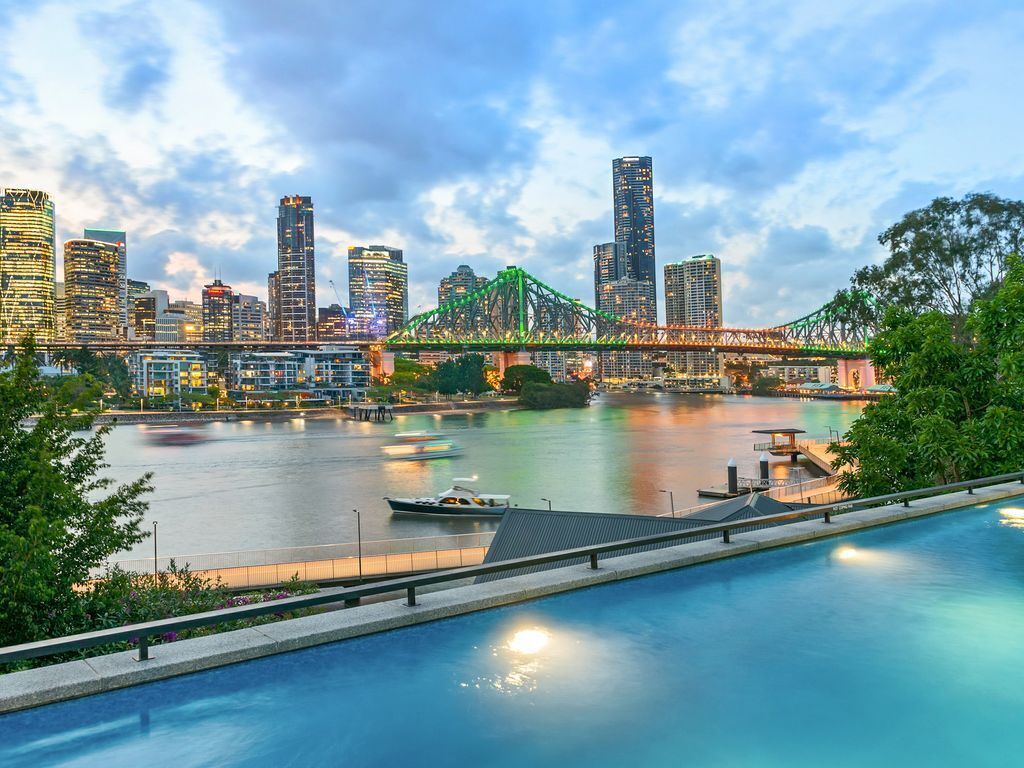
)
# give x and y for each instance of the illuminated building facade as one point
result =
(248, 318)
(455, 286)
(218, 301)
(119, 239)
(633, 193)
(27, 265)
(631, 300)
(167, 373)
(335, 323)
(136, 289)
(378, 290)
(274, 306)
(193, 328)
(60, 317)
(92, 291)
(693, 296)
(332, 371)
(296, 265)
(609, 265)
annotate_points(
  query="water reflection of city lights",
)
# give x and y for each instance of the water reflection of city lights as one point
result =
(846, 553)
(1012, 516)
(529, 640)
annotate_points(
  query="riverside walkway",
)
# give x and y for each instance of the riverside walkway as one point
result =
(325, 563)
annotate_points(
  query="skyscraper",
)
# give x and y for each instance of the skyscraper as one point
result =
(633, 188)
(248, 318)
(60, 313)
(217, 309)
(27, 265)
(631, 300)
(91, 290)
(334, 323)
(378, 289)
(296, 269)
(460, 282)
(274, 305)
(193, 312)
(609, 266)
(693, 296)
(118, 238)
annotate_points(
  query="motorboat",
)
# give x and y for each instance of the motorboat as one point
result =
(175, 434)
(458, 501)
(421, 445)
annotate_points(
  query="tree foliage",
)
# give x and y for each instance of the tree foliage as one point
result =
(537, 395)
(944, 257)
(58, 518)
(461, 374)
(518, 375)
(958, 411)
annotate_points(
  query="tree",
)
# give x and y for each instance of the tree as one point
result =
(518, 375)
(461, 374)
(551, 395)
(946, 256)
(958, 411)
(56, 523)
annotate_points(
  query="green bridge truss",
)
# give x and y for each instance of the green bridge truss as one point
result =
(516, 311)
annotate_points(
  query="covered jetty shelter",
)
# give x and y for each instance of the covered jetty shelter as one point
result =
(783, 442)
(524, 532)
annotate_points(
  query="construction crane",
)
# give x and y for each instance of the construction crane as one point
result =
(336, 294)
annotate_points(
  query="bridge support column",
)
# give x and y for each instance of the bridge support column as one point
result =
(855, 374)
(503, 360)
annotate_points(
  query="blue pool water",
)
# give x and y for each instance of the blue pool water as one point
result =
(898, 646)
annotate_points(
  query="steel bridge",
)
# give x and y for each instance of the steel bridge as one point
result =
(517, 312)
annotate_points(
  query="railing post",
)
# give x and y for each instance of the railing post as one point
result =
(725, 536)
(906, 502)
(593, 560)
(410, 596)
(828, 515)
(143, 648)
(970, 490)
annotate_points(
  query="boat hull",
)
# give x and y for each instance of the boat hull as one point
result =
(417, 508)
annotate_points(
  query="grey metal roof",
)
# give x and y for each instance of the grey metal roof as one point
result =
(524, 532)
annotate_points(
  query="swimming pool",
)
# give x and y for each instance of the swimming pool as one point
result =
(896, 646)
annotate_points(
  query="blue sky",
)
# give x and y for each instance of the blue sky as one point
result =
(785, 135)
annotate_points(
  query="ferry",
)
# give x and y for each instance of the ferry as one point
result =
(421, 445)
(457, 501)
(175, 434)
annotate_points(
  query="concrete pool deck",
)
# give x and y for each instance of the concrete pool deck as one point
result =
(59, 682)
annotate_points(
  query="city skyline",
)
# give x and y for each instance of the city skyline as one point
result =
(785, 141)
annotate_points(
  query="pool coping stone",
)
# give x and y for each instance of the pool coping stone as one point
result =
(99, 674)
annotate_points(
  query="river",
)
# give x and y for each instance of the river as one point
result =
(256, 485)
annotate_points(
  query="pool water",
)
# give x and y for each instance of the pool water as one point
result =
(897, 646)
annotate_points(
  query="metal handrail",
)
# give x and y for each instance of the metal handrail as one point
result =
(142, 632)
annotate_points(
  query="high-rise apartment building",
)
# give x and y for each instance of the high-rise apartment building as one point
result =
(145, 311)
(91, 290)
(60, 316)
(460, 282)
(633, 188)
(296, 270)
(274, 306)
(335, 323)
(693, 296)
(119, 239)
(378, 289)
(609, 265)
(27, 265)
(217, 310)
(193, 312)
(248, 318)
(628, 299)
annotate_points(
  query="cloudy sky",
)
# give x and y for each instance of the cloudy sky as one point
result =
(785, 135)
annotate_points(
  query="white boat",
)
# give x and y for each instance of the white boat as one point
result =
(459, 501)
(421, 445)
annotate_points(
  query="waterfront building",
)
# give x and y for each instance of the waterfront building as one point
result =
(823, 374)
(628, 299)
(248, 318)
(633, 200)
(274, 306)
(218, 301)
(119, 239)
(28, 261)
(378, 289)
(335, 323)
(167, 373)
(256, 372)
(194, 312)
(60, 318)
(693, 297)
(92, 291)
(296, 270)
(329, 371)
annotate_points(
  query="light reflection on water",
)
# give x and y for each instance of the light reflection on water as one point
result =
(260, 484)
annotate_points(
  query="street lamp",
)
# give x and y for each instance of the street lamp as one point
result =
(671, 501)
(549, 503)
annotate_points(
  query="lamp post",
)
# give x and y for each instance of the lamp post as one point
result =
(155, 569)
(549, 503)
(671, 501)
(359, 543)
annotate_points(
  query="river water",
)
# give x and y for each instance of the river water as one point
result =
(256, 485)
